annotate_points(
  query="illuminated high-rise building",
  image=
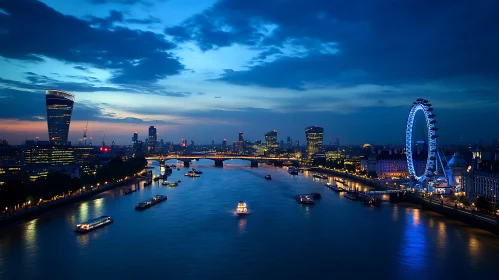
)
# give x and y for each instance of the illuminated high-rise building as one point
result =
(135, 139)
(59, 110)
(271, 139)
(224, 144)
(314, 136)
(241, 137)
(152, 140)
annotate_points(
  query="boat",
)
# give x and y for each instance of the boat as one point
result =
(319, 176)
(174, 184)
(366, 199)
(334, 187)
(129, 191)
(293, 171)
(153, 201)
(305, 199)
(168, 171)
(340, 181)
(351, 196)
(242, 210)
(191, 174)
(197, 171)
(165, 183)
(178, 169)
(268, 177)
(93, 224)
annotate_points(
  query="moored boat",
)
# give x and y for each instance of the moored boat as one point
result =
(93, 224)
(242, 209)
(129, 191)
(351, 196)
(153, 201)
(268, 177)
(293, 171)
(319, 176)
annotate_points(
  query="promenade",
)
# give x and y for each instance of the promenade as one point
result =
(30, 211)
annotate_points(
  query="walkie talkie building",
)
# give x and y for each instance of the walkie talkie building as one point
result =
(59, 109)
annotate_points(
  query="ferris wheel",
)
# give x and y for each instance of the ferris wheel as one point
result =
(431, 162)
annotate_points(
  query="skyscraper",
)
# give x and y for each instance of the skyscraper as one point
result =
(59, 109)
(224, 144)
(271, 139)
(241, 137)
(314, 135)
(152, 140)
(289, 142)
(135, 139)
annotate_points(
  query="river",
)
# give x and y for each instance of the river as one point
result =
(195, 235)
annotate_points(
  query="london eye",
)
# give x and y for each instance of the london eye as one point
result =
(431, 162)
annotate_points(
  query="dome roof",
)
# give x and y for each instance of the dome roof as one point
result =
(457, 161)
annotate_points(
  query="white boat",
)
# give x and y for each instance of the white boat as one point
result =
(242, 209)
(166, 183)
(93, 224)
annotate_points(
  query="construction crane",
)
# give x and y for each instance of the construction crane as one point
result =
(85, 135)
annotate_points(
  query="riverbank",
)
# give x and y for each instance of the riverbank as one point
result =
(30, 213)
(471, 218)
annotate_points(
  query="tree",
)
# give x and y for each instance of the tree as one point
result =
(482, 204)
(372, 174)
(464, 200)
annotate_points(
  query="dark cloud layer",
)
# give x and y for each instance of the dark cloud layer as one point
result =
(381, 42)
(133, 56)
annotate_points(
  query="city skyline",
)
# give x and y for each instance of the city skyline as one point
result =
(210, 69)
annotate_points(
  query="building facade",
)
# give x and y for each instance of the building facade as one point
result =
(482, 179)
(59, 106)
(314, 136)
(271, 140)
(152, 140)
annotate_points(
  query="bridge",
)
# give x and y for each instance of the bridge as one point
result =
(219, 159)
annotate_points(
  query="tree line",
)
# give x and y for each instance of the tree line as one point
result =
(18, 192)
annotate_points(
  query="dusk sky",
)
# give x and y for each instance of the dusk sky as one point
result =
(205, 69)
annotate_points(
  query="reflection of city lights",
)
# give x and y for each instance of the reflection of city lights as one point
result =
(416, 217)
(242, 225)
(83, 212)
(474, 248)
(30, 234)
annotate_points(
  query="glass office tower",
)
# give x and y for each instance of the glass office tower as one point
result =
(59, 109)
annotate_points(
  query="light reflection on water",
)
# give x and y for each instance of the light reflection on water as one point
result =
(196, 229)
(414, 255)
(242, 224)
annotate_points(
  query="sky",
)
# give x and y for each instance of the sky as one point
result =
(208, 69)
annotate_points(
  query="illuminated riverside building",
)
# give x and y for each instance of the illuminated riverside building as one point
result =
(59, 109)
(271, 140)
(314, 136)
(482, 177)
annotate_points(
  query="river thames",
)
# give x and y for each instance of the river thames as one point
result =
(195, 235)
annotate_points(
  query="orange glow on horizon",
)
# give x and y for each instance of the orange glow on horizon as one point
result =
(32, 129)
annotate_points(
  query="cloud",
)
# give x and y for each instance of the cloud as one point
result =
(354, 42)
(124, 2)
(42, 82)
(79, 67)
(131, 55)
(107, 22)
(147, 21)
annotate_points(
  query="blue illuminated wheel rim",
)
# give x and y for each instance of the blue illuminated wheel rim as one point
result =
(425, 107)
